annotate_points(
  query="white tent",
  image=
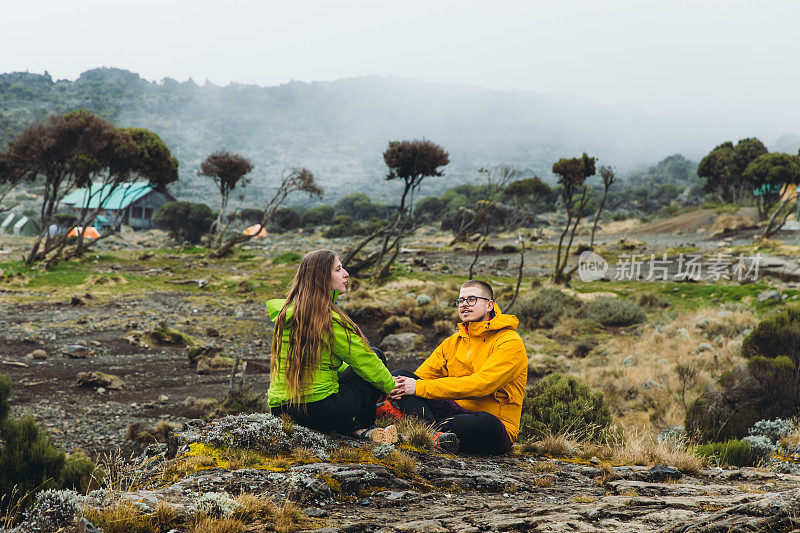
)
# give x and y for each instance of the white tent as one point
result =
(26, 226)
(8, 223)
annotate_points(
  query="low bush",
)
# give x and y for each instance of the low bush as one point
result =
(287, 258)
(397, 324)
(185, 221)
(563, 404)
(545, 308)
(651, 300)
(318, 215)
(729, 453)
(583, 348)
(614, 312)
(767, 388)
(79, 473)
(240, 401)
(775, 336)
(28, 461)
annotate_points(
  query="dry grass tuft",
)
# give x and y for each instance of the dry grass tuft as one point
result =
(622, 447)
(403, 465)
(572, 328)
(118, 473)
(288, 517)
(542, 481)
(219, 525)
(350, 454)
(551, 445)
(177, 469)
(304, 455)
(647, 450)
(123, 517)
(250, 507)
(417, 433)
(546, 466)
(731, 221)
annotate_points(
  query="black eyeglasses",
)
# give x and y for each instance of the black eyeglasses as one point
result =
(471, 300)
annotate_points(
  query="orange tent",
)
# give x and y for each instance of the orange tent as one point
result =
(90, 232)
(256, 230)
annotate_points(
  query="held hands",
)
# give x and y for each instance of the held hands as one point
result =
(403, 386)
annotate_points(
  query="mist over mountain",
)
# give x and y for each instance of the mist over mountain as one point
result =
(339, 129)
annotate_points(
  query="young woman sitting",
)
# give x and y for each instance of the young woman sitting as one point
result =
(323, 372)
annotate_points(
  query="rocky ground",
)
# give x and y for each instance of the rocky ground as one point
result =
(47, 340)
(519, 492)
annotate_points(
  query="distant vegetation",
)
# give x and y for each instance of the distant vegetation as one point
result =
(337, 129)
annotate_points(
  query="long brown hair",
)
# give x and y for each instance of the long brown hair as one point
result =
(310, 328)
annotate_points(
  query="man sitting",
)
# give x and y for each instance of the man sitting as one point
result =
(471, 387)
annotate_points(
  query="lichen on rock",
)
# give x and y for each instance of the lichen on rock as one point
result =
(260, 432)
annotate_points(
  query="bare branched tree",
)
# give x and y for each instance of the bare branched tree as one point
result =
(292, 180)
(521, 242)
(228, 171)
(572, 177)
(607, 174)
(412, 162)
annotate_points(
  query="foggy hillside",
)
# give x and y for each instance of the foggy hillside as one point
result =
(339, 129)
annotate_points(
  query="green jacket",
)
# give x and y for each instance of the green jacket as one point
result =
(347, 349)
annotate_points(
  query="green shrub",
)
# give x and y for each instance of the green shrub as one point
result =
(185, 221)
(5, 390)
(342, 226)
(563, 404)
(767, 388)
(285, 218)
(359, 206)
(249, 215)
(614, 312)
(77, 473)
(546, 308)
(287, 258)
(318, 215)
(28, 461)
(776, 335)
(729, 453)
(651, 300)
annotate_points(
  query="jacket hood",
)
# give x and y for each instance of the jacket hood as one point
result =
(498, 322)
(274, 306)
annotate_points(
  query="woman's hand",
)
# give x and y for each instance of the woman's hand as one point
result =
(403, 386)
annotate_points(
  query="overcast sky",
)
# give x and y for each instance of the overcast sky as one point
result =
(734, 61)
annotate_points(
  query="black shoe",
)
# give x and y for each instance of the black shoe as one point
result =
(447, 442)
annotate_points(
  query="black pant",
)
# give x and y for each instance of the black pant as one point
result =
(352, 408)
(478, 432)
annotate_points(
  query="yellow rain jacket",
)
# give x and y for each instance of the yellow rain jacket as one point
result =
(483, 367)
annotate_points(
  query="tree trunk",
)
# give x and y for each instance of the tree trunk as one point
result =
(477, 254)
(519, 272)
(773, 228)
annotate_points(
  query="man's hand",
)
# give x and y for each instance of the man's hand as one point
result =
(403, 386)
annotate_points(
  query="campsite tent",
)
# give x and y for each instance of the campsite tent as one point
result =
(7, 226)
(26, 226)
(89, 233)
(255, 230)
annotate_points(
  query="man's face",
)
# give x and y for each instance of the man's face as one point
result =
(474, 313)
